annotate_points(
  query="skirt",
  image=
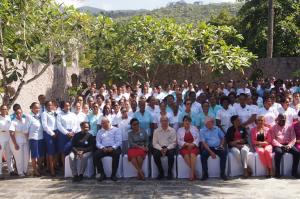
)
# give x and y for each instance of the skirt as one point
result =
(63, 142)
(51, 143)
(136, 152)
(185, 151)
(37, 148)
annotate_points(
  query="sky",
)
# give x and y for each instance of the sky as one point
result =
(129, 4)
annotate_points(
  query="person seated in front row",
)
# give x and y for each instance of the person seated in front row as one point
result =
(237, 139)
(188, 141)
(138, 147)
(212, 139)
(164, 143)
(82, 147)
(108, 143)
(283, 141)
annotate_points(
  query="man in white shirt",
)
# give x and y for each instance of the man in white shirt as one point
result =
(108, 143)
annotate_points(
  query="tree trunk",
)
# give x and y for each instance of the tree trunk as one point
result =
(270, 28)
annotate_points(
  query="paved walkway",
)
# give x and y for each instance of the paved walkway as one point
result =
(32, 188)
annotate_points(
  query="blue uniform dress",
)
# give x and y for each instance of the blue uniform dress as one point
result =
(66, 122)
(36, 139)
(50, 129)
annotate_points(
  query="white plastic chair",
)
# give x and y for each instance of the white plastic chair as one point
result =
(129, 171)
(89, 172)
(164, 162)
(184, 170)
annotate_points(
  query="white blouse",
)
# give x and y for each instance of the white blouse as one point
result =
(181, 133)
(35, 128)
(4, 128)
(67, 122)
(20, 128)
(49, 122)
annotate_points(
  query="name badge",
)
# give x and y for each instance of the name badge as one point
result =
(86, 142)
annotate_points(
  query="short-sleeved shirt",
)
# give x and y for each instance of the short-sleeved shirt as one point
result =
(212, 137)
(93, 120)
(224, 116)
(270, 115)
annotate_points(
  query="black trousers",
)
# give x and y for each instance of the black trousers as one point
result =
(223, 158)
(157, 155)
(115, 154)
(278, 156)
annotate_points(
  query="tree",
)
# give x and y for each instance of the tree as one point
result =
(253, 23)
(138, 47)
(34, 31)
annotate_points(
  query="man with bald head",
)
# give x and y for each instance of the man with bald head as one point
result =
(108, 143)
(164, 143)
(212, 140)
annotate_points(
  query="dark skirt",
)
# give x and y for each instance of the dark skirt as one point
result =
(51, 143)
(37, 148)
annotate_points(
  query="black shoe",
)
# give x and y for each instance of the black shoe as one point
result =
(80, 177)
(295, 175)
(204, 177)
(101, 178)
(170, 177)
(75, 179)
(13, 173)
(160, 177)
(114, 178)
(224, 177)
(277, 175)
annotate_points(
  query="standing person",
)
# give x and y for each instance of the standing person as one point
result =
(283, 141)
(42, 101)
(93, 119)
(224, 115)
(290, 113)
(5, 123)
(124, 126)
(19, 142)
(188, 141)
(82, 148)
(237, 139)
(138, 147)
(212, 139)
(67, 126)
(244, 111)
(261, 139)
(108, 143)
(50, 135)
(164, 143)
(270, 113)
(36, 139)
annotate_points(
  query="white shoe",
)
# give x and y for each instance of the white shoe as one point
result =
(22, 175)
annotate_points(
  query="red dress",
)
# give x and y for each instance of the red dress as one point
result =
(188, 138)
(135, 152)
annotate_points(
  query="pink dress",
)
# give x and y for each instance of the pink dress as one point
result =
(264, 152)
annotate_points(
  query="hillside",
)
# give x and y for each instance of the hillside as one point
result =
(182, 12)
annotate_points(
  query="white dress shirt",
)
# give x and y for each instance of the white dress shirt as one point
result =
(244, 113)
(35, 128)
(290, 115)
(66, 122)
(20, 128)
(270, 115)
(4, 128)
(224, 116)
(106, 138)
(49, 122)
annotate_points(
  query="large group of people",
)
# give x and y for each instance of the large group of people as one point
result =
(160, 121)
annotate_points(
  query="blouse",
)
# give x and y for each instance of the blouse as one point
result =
(137, 139)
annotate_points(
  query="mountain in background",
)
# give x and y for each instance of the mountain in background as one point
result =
(181, 11)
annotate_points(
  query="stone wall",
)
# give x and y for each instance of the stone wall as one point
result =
(52, 83)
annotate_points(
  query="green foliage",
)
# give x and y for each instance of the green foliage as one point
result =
(136, 48)
(252, 24)
(180, 11)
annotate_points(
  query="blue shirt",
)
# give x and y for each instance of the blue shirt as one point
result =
(201, 118)
(93, 120)
(145, 120)
(193, 115)
(215, 109)
(212, 137)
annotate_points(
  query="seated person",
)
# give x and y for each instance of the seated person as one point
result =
(283, 141)
(108, 143)
(164, 143)
(237, 137)
(212, 139)
(188, 141)
(138, 147)
(82, 147)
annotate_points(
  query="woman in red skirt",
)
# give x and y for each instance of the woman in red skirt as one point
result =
(137, 151)
(188, 141)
